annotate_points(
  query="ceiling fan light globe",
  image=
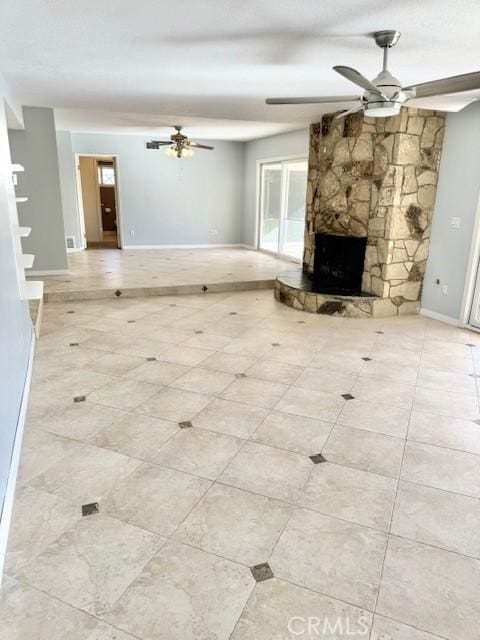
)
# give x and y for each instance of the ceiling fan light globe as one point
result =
(170, 152)
(385, 109)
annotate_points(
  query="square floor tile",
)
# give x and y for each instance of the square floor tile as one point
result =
(38, 519)
(228, 363)
(326, 380)
(455, 405)
(23, 616)
(336, 558)
(442, 431)
(442, 468)
(311, 404)
(114, 364)
(124, 394)
(274, 371)
(252, 391)
(350, 494)
(155, 498)
(203, 453)
(430, 589)
(156, 372)
(296, 433)
(235, 524)
(279, 610)
(136, 435)
(383, 629)
(380, 418)
(189, 356)
(90, 565)
(41, 450)
(176, 405)
(382, 391)
(107, 632)
(272, 472)
(364, 450)
(232, 418)
(203, 381)
(440, 518)
(184, 593)
(86, 474)
(431, 378)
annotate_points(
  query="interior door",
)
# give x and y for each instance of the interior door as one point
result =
(283, 187)
(474, 319)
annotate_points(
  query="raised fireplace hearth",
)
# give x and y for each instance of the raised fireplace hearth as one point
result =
(371, 191)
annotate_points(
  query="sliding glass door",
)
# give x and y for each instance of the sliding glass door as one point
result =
(283, 187)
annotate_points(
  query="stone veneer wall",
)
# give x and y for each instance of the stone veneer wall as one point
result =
(377, 177)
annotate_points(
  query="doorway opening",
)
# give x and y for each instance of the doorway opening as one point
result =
(98, 201)
(282, 197)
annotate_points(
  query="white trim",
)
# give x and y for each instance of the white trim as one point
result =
(6, 515)
(75, 250)
(471, 271)
(48, 272)
(185, 246)
(439, 316)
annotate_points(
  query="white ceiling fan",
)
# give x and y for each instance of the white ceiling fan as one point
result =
(384, 95)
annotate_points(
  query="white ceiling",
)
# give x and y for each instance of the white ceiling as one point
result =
(134, 67)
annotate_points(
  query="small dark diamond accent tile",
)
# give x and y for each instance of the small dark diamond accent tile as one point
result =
(240, 375)
(151, 359)
(347, 396)
(131, 321)
(185, 425)
(300, 321)
(198, 332)
(90, 509)
(262, 572)
(70, 311)
(469, 344)
(380, 332)
(172, 305)
(317, 458)
(79, 399)
(204, 288)
(67, 280)
(74, 344)
(275, 344)
(367, 359)
(233, 313)
(118, 293)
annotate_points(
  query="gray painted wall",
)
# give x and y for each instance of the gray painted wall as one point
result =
(282, 145)
(36, 149)
(68, 186)
(169, 201)
(15, 324)
(457, 195)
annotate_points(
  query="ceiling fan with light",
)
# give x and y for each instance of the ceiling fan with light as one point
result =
(179, 145)
(384, 95)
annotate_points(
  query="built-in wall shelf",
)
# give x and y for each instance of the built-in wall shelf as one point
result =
(26, 260)
(23, 199)
(23, 232)
(31, 289)
(16, 168)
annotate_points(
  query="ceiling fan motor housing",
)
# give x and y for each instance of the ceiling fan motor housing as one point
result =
(390, 86)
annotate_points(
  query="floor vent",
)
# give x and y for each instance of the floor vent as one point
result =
(70, 242)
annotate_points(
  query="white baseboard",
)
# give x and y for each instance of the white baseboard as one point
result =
(439, 316)
(6, 514)
(184, 246)
(75, 250)
(48, 272)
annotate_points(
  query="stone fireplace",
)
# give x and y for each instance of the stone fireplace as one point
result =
(371, 187)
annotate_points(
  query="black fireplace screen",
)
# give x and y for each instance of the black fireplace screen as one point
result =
(338, 264)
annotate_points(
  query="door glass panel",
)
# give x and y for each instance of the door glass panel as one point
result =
(294, 219)
(271, 196)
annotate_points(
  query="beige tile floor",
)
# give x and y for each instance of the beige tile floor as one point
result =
(378, 539)
(100, 270)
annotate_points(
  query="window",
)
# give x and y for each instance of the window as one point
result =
(283, 188)
(106, 175)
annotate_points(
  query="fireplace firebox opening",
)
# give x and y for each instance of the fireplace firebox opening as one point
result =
(338, 264)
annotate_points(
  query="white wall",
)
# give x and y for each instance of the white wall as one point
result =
(279, 146)
(457, 196)
(167, 201)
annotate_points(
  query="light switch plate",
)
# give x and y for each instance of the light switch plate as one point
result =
(455, 223)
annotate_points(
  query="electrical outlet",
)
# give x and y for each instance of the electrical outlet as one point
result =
(445, 289)
(455, 223)
(213, 233)
(132, 232)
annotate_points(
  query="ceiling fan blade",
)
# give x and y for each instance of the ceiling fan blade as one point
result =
(442, 103)
(356, 77)
(454, 84)
(349, 111)
(200, 146)
(154, 144)
(312, 100)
